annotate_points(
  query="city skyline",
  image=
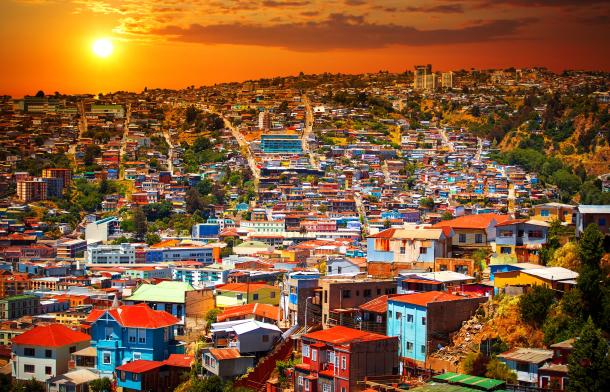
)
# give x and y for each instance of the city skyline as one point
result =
(49, 45)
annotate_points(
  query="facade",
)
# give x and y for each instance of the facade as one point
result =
(526, 362)
(201, 276)
(592, 214)
(281, 144)
(341, 265)
(110, 254)
(247, 336)
(549, 212)
(18, 306)
(472, 232)
(43, 352)
(337, 295)
(201, 253)
(260, 312)
(299, 288)
(336, 359)
(422, 321)
(520, 240)
(423, 77)
(554, 374)
(71, 249)
(101, 230)
(407, 248)
(557, 278)
(32, 190)
(74, 381)
(226, 363)
(232, 294)
(64, 174)
(131, 332)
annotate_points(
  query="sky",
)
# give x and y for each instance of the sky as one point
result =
(47, 44)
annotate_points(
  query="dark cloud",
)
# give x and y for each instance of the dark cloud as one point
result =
(340, 31)
(355, 2)
(280, 4)
(540, 3)
(440, 9)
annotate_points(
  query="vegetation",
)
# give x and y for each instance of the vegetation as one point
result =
(589, 362)
(534, 305)
(101, 385)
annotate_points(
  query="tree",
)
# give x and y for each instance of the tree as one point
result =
(211, 317)
(194, 201)
(566, 257)
(591, 246)
(191, 114)
(140, 223)
(589, 362)
(592, 280)
(29, 386)
(152, 238)
(427, 202)
(40, 94)
(475, 364)
(498, 370)
(447, 215)
(535, 304)
(101, 385)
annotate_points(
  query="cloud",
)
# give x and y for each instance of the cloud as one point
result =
(440, 9)
(355, 2)
(279, 4)
(340, 31)
(540, 3)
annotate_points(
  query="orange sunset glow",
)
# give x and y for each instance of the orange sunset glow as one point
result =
(76, 46)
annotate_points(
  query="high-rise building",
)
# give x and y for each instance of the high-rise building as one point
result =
(65, 174)
(421, 71)
(32, 190)
(447, 79)
(264, 120)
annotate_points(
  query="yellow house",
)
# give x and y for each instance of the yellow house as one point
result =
(550, 211)
(233, 294)
(557, 278)
(70, 318)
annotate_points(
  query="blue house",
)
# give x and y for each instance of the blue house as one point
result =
(422, 321)
(131, 332)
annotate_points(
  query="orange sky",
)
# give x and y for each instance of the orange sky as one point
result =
(46, 44)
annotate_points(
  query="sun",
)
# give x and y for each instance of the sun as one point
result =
(102, 47)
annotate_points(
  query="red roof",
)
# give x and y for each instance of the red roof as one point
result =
(136, 316)
(423, 299)
(140, 366)
(180, 360)
(243, 287)
(344, 335)
(377, 305)
(52, 335)
(388, 233)
(225, 353)
(261, 310)
(476, 221)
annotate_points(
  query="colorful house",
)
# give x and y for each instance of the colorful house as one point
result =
(520, 240)
(336, 359)
(472, 232)
(233, 294)
(557, 278)
(422, 321)
(44, 352)
(549, 212)
(526, 362)
(131, 332)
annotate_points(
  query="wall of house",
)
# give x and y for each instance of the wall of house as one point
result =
(413, 332)
(517, 278)
(235, 367)
(375, 254)
(252, 342)
(447, 316)
(373, 358)
(199, 302)
(58, 361)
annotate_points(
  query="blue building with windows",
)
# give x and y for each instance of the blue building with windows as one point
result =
(281, 143)
(131, 332)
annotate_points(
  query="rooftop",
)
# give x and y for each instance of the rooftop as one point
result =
(344, 335)
(53, 335)
(423, 299)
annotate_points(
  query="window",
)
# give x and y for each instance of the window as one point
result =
(265, 338)
(29, 352)
(325, 387)
(398, 315)
(307, 385)
(141, 336)
(506, 233)
(72, 349)
(272, 295)
(601, 221)
(339, 269)
(462, 238)
(135, 376)
(137, 355)
(378, 291)
(47, 370)
(106, 360)
(343, 362)
(240, 296)
(409, 318)
(423, 250)
(478, 238)
(522, 367)
(331, 357)
(423, 348)
(545, 213)
(366, 292)
(423, 321)
(390, 314)
(123, 375)
(314, 355)
(330, 268)
(306, 350)
(48, 353)
(343, 389)
(300, 380)
(255, 296)
(357, 293)
(402, 250)
(505, 250)
(108, 331)
(409, 346)
(325, 296)
(535, 234)
(132, 335)
(346, 293)
(28, 368)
